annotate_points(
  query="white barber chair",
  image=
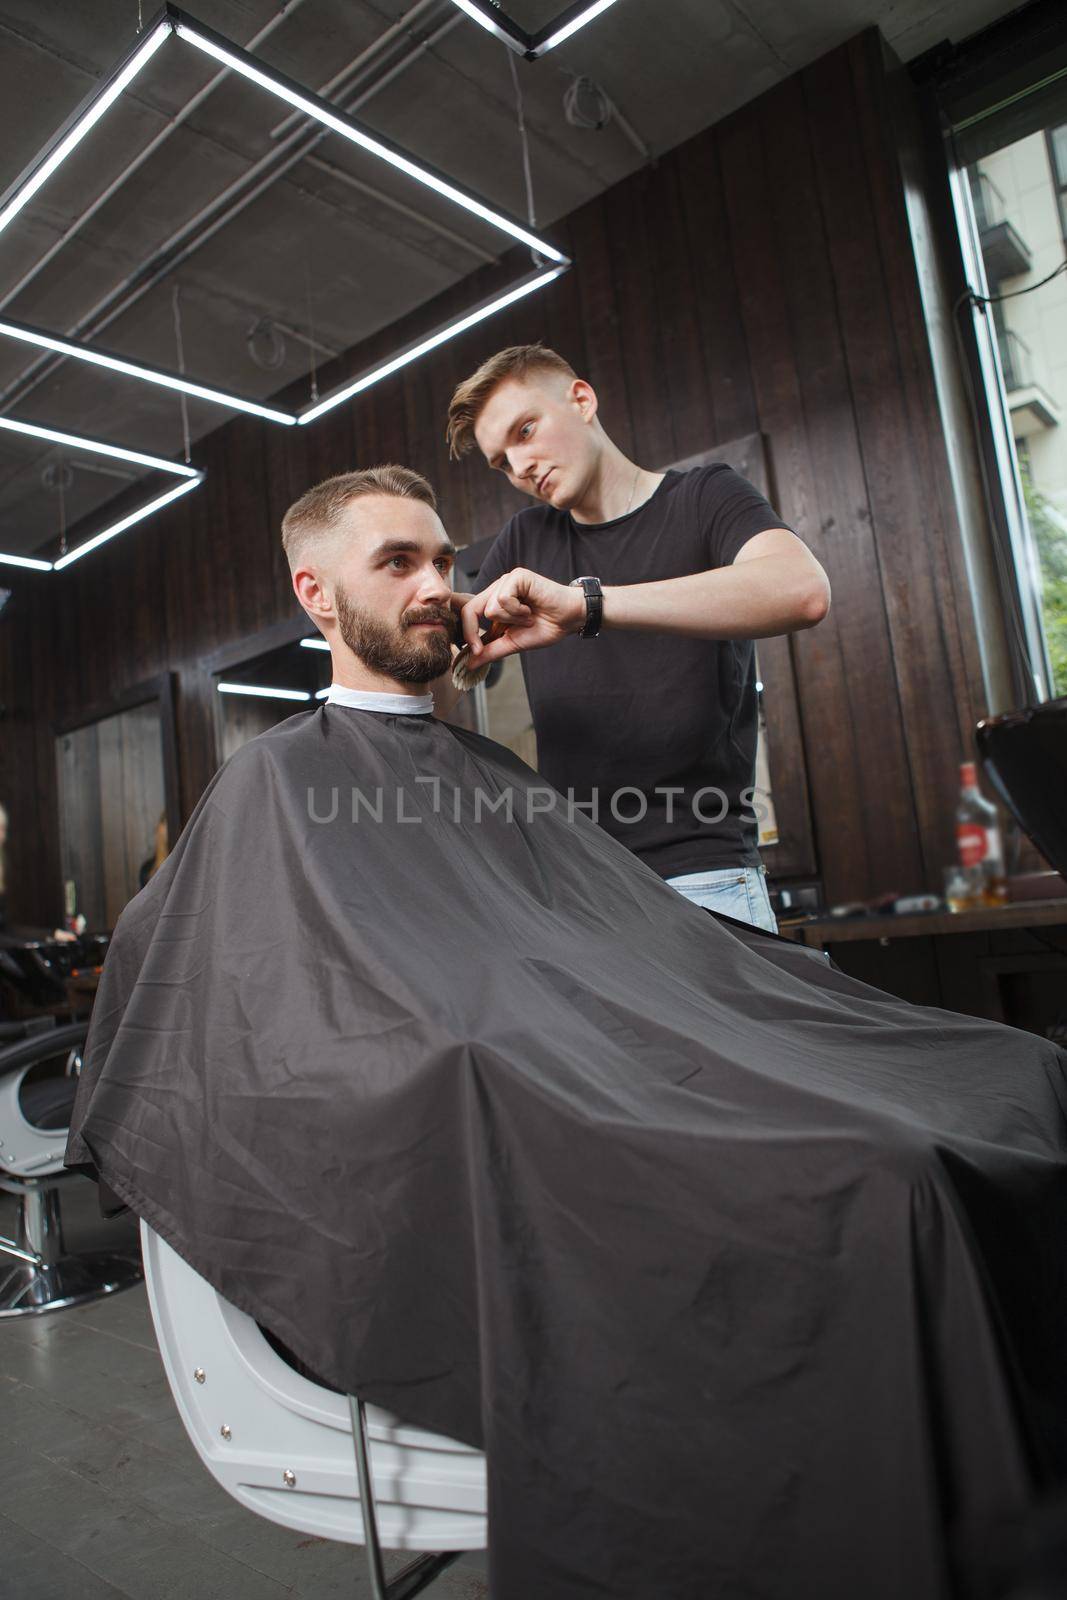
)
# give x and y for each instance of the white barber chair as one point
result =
(39, 1066)
(299, 1453)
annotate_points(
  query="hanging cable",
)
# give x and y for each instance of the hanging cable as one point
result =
(311, 333)
(531, 213)
(587, 104)
(976, 299)
(63, 510)
(57, 478)
(175, 300)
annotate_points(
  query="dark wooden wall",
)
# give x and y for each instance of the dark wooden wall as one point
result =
(757, 279)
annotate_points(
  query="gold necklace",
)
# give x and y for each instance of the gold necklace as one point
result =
(633, 491)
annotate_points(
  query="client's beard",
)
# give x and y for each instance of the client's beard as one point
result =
(395, 652)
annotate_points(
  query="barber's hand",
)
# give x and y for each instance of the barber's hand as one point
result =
(524, 611)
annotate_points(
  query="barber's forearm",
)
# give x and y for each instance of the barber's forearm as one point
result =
(736, 602)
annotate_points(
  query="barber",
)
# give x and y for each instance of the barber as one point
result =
(654, 585)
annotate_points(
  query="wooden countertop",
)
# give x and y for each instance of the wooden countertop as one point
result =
(842, 930)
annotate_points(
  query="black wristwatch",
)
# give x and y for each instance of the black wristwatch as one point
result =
(594, 605)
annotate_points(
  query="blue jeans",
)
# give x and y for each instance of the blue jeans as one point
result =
(739, 892)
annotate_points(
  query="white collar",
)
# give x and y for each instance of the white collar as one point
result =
(405, 705)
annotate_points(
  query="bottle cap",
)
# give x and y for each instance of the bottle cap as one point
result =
(969, 774)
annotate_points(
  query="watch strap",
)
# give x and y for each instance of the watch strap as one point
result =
(594, 605)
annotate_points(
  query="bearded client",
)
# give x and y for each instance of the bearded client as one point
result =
(746, 1277)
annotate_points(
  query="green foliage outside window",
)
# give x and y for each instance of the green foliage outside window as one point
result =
(1050, 538)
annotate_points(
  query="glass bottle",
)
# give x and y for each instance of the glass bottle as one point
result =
(978, 836)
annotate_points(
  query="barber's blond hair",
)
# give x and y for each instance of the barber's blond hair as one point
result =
(468, 402)
(319, 510)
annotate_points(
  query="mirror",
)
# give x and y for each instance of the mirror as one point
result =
(267, 688)
(117, 805)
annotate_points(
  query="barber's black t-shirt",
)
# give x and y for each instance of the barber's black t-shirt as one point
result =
(622, 718)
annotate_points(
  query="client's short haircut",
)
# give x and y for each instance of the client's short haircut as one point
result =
(319, 510)
(518, 361)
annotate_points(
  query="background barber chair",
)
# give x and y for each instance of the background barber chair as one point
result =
(35, 971)
(1024, 756)
(300, 1453)
(39, 1066)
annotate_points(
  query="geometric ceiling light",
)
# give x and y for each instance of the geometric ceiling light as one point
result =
(26, 334)
(189, 478)
(171, 21)
(319, 110)
(128, 521)
(92, 354)
(531, 46)
(76, 127)
(422, 346)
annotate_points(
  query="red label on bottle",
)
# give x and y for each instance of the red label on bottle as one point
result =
(971, 843)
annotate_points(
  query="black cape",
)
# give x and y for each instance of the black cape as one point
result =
(748, 1278)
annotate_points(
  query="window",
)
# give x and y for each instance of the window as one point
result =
(1012, 213)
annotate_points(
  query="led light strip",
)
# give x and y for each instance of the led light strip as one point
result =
(25, 561)
(127, 522)
(77, 441)
(172, 20)
(26, 187)
(319, 110)
(571, 27)
(263, 694)
(513, 36)
(412, 353)
(134, 369)
(489, 15)
(190, 477)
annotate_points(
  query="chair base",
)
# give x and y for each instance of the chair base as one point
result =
(419, 1575)
(28, 1291)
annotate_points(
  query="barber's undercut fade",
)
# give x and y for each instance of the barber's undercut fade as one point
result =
(466, 406)
(320, 509)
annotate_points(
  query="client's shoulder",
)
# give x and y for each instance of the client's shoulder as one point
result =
(287, 742)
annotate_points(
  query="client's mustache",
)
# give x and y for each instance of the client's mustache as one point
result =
(435, 617)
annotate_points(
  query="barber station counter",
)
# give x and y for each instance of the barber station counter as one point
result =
(1007, 963)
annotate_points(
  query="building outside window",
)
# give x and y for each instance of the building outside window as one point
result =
(1018, 197)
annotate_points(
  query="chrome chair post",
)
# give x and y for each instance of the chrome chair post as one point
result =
(420, 1573)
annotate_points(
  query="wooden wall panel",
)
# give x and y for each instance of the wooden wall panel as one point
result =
(676, 300)
(638, 300)
(836, 696)
(884, 98)
(604, 334)
(854, 684)
(716, 312)
(758, 280)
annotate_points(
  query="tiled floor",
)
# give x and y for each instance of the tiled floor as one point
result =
(102, 1496)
